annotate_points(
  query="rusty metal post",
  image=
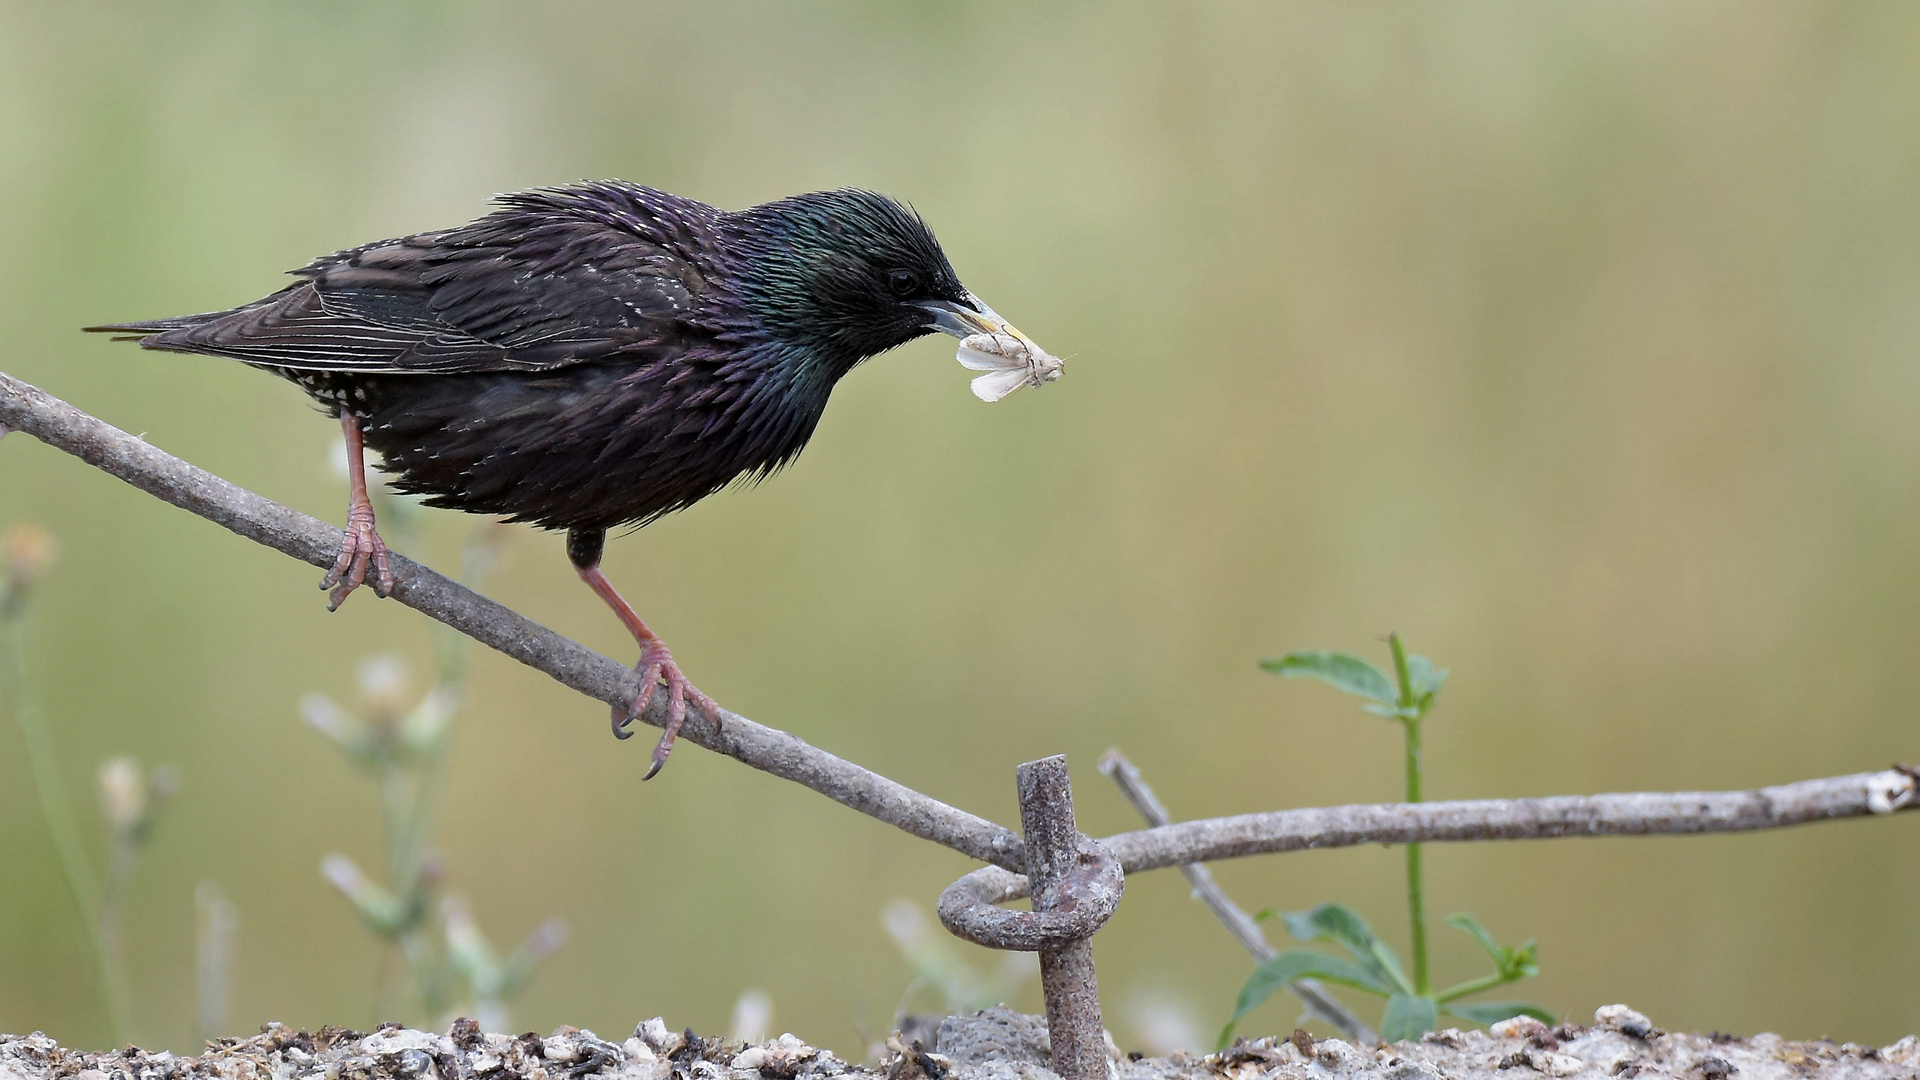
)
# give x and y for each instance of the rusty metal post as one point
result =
(1078, 1041)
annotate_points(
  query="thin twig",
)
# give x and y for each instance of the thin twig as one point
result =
(60, 425)
(1238, 923)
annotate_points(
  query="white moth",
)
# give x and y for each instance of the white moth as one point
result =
(1010, 363)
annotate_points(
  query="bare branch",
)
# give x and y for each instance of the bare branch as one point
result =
(27, 408)
(54, 422)
(1633, 814)
(1238, 923)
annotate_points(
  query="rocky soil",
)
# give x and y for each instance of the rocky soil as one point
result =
(997, 1044)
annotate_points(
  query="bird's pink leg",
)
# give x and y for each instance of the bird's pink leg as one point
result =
(656, 664)
(362, 548)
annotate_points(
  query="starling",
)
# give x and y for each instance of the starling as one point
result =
(598, 355)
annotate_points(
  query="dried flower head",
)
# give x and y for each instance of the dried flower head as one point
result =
(123, 794)
(385, 684)
(27, 550)
(130, 795)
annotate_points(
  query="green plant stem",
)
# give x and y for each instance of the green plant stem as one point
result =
(403, 821)
(108, 943)
(1416, 899)
(407, 827)
(1473, 986)
(24, 703)
(429, 981)
(411, 843)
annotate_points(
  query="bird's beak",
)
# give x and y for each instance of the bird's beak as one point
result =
(967, 318)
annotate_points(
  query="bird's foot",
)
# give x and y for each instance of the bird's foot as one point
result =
(656, 664)
(361, 550)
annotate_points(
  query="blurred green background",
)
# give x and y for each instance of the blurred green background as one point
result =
(1575, 342)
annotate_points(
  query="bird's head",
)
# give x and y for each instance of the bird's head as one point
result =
(847, 274)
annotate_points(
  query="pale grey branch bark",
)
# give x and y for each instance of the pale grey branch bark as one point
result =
(1632, 814)
(1059, 861)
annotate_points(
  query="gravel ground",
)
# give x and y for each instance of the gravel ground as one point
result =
(997, 1044)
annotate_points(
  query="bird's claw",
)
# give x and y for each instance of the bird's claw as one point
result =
(361, 550)
(656, 664)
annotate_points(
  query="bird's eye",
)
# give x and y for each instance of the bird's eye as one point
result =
(903, 282)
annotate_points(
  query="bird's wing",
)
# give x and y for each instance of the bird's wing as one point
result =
(510, 292)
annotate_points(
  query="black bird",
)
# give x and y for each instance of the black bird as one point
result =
(591, 356)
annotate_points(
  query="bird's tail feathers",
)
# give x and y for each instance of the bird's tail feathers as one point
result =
(133, 331)
(174, 334)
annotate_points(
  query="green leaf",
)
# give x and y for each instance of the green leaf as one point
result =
(1292, 966)
(1492, 1012)
(1296, 964)
(1512, 963)
(1463, 921)
(1426, 678)
(1408, 1017)
(1344, 927)
(1524, 964)
(1354, 674)
(384, 912)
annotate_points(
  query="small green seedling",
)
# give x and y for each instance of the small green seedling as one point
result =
(1412, 1007)
(1411, 1011)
